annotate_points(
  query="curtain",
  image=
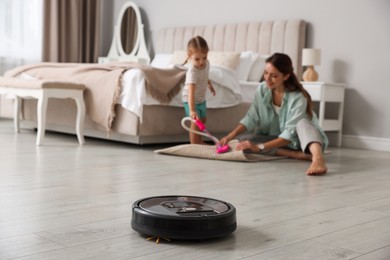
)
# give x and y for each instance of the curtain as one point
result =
(71, 30)
(20, 33)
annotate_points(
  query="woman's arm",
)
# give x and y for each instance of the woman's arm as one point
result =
(238, 130)
(275, 143)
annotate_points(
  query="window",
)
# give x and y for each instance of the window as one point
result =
(20, 32)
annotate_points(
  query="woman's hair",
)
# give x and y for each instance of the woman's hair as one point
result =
(196, 43)
(283, 63)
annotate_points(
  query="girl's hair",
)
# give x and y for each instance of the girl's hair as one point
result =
(283, 63)
(196, 43)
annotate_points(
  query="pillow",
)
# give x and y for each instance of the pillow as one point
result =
(224, 59)
(247, 58)
(178, 57)
(161, 60)
(257, 68)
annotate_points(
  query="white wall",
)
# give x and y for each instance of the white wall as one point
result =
(354, 36)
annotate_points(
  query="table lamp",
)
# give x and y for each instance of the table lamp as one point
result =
(310, 57)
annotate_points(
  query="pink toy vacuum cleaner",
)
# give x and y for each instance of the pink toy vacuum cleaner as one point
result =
(219, 148)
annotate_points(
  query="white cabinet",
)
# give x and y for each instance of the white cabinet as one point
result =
(324, 92)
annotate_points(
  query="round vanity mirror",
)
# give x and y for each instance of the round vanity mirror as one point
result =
(128, 26)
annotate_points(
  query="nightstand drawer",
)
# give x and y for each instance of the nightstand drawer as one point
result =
(314, 91)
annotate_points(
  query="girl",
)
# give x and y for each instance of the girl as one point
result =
(281, 119)
(196, 83)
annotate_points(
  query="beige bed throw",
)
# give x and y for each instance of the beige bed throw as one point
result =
(103, 83)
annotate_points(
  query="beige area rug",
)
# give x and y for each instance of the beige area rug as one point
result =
(208, 152)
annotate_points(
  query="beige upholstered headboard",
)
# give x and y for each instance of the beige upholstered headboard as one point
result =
(262, 37)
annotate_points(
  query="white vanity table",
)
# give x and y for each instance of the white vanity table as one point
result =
(128, 42)
(119, 59)
(324, 92)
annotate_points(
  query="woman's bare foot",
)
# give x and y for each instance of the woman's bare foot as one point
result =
(293, 154)
(317, 167)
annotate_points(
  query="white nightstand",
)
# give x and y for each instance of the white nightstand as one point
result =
(324, 92)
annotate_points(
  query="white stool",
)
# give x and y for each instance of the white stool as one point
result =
(43, 90)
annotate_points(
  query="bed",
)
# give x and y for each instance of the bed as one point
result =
(237, 59)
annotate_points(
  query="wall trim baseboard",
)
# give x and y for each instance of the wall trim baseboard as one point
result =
(366, 142)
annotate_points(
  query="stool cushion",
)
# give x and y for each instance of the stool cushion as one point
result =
(10, 82)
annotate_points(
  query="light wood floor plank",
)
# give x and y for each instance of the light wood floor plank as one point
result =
(380, 254)
(356, 238)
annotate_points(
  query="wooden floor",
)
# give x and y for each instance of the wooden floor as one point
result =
(65, 201)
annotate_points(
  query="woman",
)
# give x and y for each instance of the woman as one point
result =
(281, 120)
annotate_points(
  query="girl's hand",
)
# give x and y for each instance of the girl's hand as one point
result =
(246, 145)
(194, 115)
(212, 89)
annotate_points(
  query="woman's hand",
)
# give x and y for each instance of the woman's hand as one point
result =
(224, 140)
(247, 145)
(233, 134)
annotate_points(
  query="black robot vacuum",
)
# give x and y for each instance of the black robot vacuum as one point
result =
(183, 217)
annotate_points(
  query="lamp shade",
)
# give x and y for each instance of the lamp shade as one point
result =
(311, 57)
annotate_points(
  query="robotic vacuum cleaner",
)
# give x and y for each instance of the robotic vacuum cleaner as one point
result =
(183, 217)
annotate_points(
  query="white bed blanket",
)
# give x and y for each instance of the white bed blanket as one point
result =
(133, 95)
